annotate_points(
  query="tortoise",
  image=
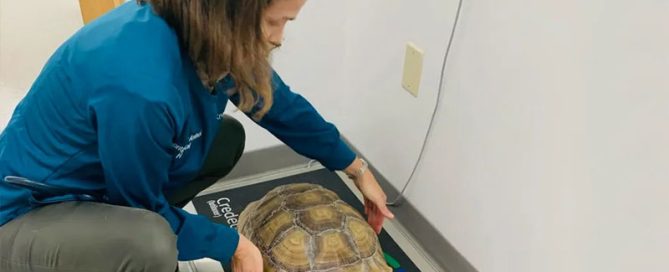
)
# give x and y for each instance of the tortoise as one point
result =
(306, 227)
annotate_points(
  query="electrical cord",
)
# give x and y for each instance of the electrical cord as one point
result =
(397, 201)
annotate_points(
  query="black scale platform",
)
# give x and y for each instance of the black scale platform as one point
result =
(238, 198)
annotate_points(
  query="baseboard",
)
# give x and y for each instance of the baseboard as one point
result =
(441, 251)
(265, 160)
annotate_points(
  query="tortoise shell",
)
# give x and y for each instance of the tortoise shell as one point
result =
(305, 227)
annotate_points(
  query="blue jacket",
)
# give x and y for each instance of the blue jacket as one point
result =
(119, 115)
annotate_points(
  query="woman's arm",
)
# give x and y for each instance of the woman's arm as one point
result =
(135, 148)
(296, 122)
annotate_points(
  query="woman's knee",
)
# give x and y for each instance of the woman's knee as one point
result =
(232, 128)
(151, 243)
(89, 236)
(227, 148)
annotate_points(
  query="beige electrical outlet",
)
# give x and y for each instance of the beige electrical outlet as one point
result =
(413, 69)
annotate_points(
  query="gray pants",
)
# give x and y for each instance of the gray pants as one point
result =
(98, 237)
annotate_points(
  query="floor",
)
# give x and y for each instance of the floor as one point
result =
(394, 228)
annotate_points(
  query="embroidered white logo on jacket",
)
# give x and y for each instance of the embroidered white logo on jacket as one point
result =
(183, 149)
(195, 136)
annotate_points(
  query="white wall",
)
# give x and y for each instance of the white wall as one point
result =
(551, 147)
(30, 30)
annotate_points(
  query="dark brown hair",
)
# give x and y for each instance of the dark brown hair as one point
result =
(224, 36)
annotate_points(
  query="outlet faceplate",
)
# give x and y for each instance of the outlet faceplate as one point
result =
(413, 69)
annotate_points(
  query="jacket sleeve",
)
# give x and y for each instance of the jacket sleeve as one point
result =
(294, 121)
(135, 142)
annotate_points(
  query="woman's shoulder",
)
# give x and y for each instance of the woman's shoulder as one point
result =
(130, 24)
(128, 48)
(129, 39)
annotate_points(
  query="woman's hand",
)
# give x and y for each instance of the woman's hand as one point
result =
(375, 199)
(247, 257)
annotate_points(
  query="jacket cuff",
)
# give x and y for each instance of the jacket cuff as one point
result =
(224, 244)
(341, 157)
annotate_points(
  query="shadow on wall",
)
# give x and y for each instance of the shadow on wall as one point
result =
(10, 97)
